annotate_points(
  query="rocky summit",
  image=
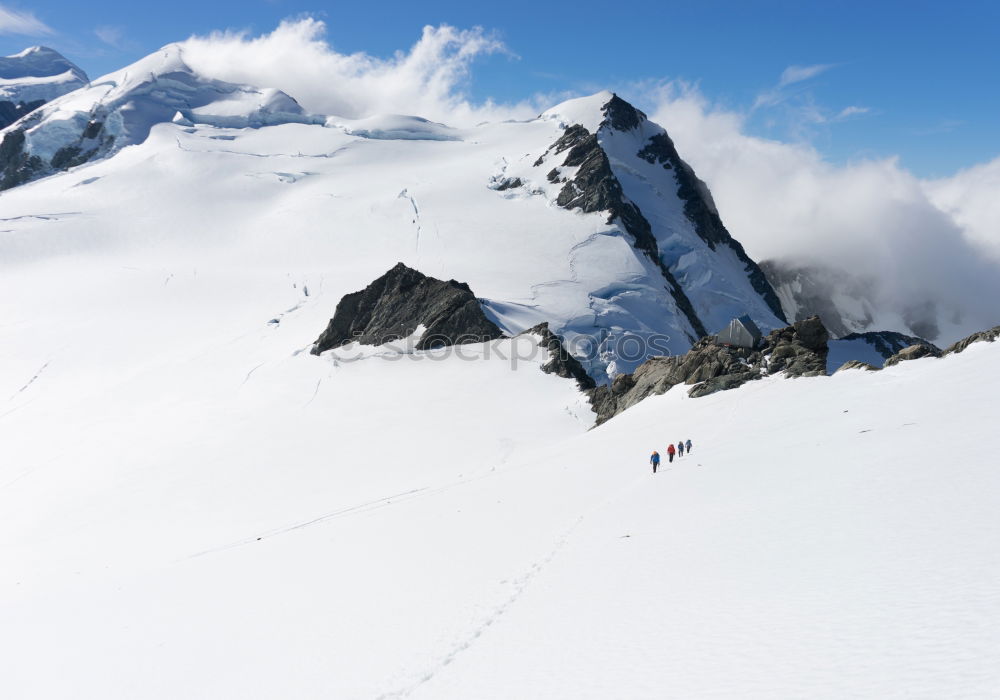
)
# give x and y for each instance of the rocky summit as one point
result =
(798, 350)
(396, 304)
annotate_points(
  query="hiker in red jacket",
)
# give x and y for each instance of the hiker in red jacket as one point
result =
(671, 450)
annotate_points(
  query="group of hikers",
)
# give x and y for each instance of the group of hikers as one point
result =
(682, 445)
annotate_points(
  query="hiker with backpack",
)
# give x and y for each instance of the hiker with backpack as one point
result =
(671, 451)
(654, 459)
(688, 446)
(680, 448)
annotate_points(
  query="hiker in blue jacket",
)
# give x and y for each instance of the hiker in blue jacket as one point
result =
(680, 448)
(688, 445)
(654, 459)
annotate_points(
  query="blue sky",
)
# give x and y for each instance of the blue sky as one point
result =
(855, 79)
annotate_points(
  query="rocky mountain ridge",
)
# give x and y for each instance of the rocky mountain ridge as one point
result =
(798, 350)
(404, 300)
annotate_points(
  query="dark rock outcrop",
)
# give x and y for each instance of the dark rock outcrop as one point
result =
(888, 343)
(917, 349)
(858, 364)
(913, 352)
(561, 363)
(16, 166)
(987, 336)
(10, 112)
(394, 305)
(797, 351)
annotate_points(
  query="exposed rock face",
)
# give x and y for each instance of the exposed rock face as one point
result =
(918, 348)
(913, 352)
(858, 364)
(16, 166)
(888, 343)
(798, 351)
(987, 336)
(561, 363)
(394, 305)
(10, 112)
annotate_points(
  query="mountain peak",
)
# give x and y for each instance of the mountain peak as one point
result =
(38, 62)
(595, 111)
(621, 115)
(33, 77)
(588, 111)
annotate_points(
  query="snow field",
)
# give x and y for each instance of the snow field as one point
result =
(193, 506)
(451, 529)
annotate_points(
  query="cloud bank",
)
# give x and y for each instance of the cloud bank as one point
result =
(919, 242)
(428, 80)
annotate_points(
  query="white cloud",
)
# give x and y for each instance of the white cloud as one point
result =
(25, 23)
(918, 240)
(796, 74)
(972, 198)
(428, 80)
(851, 111)
(791, 75)
(800, 111)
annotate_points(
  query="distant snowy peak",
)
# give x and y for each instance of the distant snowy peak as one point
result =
(119, 109)
(38, 73)
(33, 77)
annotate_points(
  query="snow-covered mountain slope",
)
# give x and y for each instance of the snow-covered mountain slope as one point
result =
(218, 516)
(711, 267)
(33, 77)
(192, 505)
(119, 109)
(38, 73)
(345, 200)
